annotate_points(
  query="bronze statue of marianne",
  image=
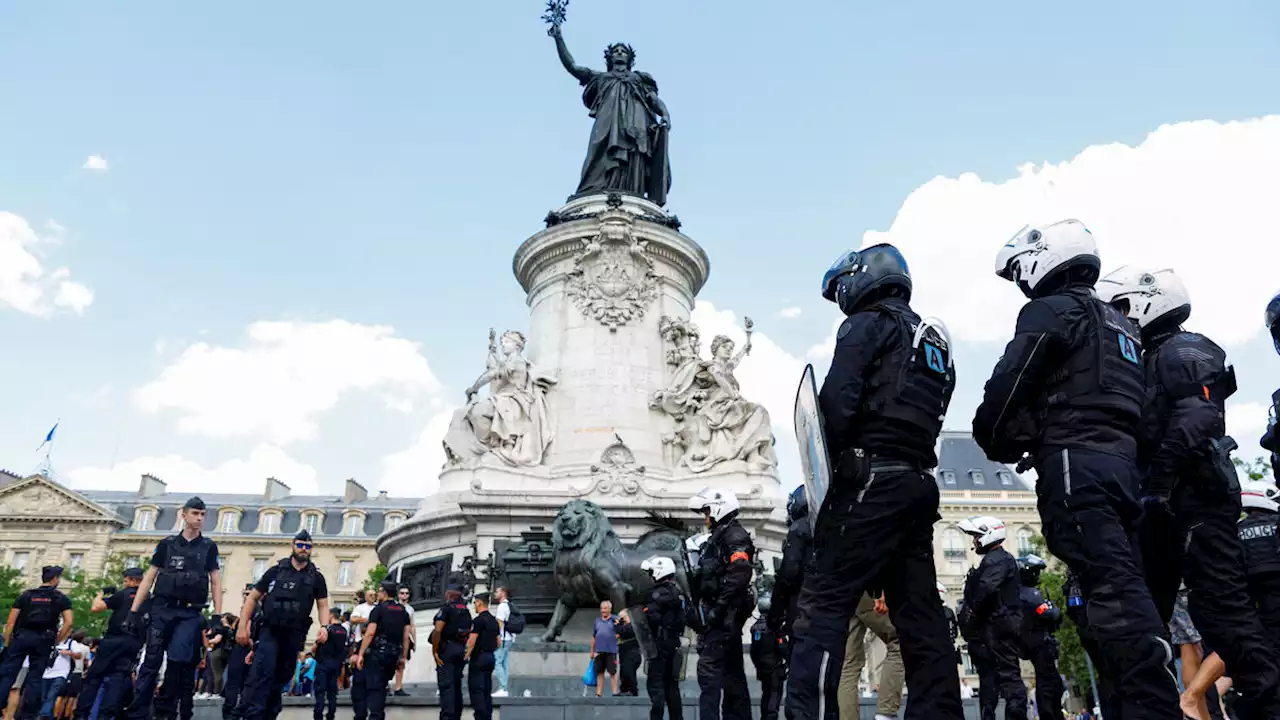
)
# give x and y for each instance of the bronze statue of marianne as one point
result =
(627, 151)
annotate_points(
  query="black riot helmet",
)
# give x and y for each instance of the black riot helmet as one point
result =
(1029, 569)
(860, 277)
(797, 504)
(1273, 320)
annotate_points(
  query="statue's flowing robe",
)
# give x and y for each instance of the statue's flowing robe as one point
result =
(627, 152)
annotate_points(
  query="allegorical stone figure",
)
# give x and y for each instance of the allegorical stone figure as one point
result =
(627, 151)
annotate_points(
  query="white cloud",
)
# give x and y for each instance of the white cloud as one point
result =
(288, 374)
(415, 471)
(54, 226)
(788, 313)
(24, 284)
(1194, 196)
(1246, 421)
(95, 162)
(182, 475)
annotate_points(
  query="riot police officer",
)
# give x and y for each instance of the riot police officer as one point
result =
(795, 552)
(1261, 541)
(768, 661)
(116, 653)
(1270, 441)
(952, 624)
(448, 648)
(665, 616)
(288, 591)
(1040, 620)
(383, 649)
(184, 569)
(29, 635)
(1191, 490)
(992, 613)
(883, 403)
(237, 667)
(329, 655)
(1069, 393)
(724, 576)
(1107, 701)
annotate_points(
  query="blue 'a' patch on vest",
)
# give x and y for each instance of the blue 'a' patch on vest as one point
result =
(933, 356)
(1128, 350)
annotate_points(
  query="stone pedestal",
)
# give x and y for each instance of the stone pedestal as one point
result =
(610, 284)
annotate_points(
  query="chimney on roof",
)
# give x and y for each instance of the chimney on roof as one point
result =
(354, 493)
(152, 486)
(382, 495)
(276, 490)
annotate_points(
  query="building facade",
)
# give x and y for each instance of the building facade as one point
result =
(45, 523)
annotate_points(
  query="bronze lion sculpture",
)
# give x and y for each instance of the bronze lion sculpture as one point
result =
(591, 565)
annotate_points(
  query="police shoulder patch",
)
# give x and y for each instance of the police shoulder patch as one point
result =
(846, 327)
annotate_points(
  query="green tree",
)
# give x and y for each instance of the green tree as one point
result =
(1257, 469)
(10, 588)
(1071, 654)
(376, 575)
(82, 589)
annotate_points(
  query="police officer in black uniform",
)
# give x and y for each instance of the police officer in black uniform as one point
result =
(665, 615)
(766, 657)
(448, 647)
(383, 649)
(992, 613)
(288, 591)
(329, 655)
(724, 576)
(1069, 392)
(1270, 439)
(1040, 620)
(29, 634)
(484, 639)
(117, 651)
(237, 667)
(1261, 540)
(1191, 490)
(883, 403)
(795, 553)
(184, 570)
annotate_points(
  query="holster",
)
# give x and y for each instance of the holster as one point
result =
(852, 470)
(1217, 470)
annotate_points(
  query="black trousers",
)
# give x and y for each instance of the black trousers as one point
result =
(876, 532)
(174, 631)
(1107, 701)
(999, 676)
(33, 646)
(1264, 590)
(237, 670)
(770, 692)
(480, 685)
(662, 680)
(722, 676)
(449, 680)
(369, 689)
(113, 665)
(1042, 651)
(275, 658)
(326, 687)
(1089, 513)
(629, 659)
(1201, 547)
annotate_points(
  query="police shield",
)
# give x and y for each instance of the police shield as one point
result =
(814, 459)
(644, 638)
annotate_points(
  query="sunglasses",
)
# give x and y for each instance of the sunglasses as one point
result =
(302, 546)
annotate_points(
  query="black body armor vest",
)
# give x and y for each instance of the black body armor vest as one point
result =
(288, 601)
(1259, 537)
(183, 578)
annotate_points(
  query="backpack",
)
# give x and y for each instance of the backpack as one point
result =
(515, 623)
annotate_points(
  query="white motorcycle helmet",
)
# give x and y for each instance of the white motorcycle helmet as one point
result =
(1145, 296)
(1037, 253)
(659, 567)
(985, 529)
(719, 502)
(1260, 495)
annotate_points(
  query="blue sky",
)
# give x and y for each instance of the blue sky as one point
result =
(310, 162)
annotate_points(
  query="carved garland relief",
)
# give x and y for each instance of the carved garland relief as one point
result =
(613, 278)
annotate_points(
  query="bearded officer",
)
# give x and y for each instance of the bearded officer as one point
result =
(116, 653)
(1191, 490)
(1261, 541)
(993, 613)
(724, 571)
(183, 574)
(288, 591)
(1040, 620)
(665, 615)
(1069, 392)
(883, 403)
(29, 635)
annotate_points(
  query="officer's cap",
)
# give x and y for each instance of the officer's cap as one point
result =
(49, 572)
(302, 536)
(133, 572)
(195, 503)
